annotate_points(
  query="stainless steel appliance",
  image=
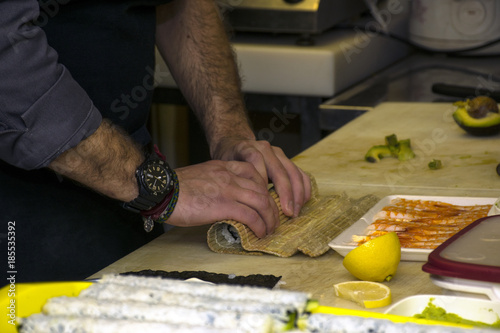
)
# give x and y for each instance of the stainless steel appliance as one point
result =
(289, 16)
(456, 25)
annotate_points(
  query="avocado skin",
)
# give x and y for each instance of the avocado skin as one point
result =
(481, 131)
(487, 126)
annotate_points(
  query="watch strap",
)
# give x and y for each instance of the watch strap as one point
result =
(162, 212)
(139, 204)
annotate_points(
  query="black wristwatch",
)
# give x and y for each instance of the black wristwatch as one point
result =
(155, 179)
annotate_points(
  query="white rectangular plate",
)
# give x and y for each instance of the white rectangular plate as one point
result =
(341, 243)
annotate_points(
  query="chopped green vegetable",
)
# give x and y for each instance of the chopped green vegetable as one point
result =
(405, 152)
(311, 305)
(435, 164)
(392, 148)
(391, 141)
(377, 152)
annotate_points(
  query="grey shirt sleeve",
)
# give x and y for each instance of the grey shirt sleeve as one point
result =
(43, 111)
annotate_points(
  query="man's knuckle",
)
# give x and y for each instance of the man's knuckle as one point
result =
(264, 144)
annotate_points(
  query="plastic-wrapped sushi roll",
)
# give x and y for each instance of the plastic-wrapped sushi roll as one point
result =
(170, 314)
(40, 323)
(119, 292)
(235, 293)
(327, 323)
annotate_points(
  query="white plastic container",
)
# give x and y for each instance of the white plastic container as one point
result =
(485, 311)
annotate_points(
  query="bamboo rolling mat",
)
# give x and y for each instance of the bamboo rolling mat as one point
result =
(321, 219)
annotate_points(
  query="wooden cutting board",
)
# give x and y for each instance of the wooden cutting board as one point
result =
(469, 163)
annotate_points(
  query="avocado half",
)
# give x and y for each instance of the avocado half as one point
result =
(485, 124)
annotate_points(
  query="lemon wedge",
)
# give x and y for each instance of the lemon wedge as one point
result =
(376, 260)
(366, 293)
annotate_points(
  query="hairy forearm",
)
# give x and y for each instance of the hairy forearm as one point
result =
(194, 43)
(106, 162)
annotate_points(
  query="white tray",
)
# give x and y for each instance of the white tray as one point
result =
(341, 243)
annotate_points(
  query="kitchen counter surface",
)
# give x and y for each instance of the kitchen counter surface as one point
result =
(469, 163)
(338, 166)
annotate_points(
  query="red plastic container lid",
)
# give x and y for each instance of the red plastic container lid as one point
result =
(473, 253)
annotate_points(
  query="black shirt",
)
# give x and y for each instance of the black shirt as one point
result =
(108, 47)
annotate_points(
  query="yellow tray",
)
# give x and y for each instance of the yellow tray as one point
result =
(23, 299)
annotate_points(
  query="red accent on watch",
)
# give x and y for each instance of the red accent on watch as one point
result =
(156, 211)
(157, 151)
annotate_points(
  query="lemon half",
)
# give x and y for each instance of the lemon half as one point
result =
(376, 260)
(366, 293)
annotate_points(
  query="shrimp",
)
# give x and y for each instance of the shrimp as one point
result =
(421, 223)
(415, 227)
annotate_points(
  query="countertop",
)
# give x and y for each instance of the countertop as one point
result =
(338, 166)
(469, 163)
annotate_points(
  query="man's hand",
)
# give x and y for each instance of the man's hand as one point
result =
(291, 183)
(209, 79)
(218, 190)
(106, 162)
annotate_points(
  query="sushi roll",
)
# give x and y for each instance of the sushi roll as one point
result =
(170, 314)
(120, 292)
(235, 293)
(40, 323)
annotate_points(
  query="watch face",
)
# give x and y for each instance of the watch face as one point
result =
(156, 177)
